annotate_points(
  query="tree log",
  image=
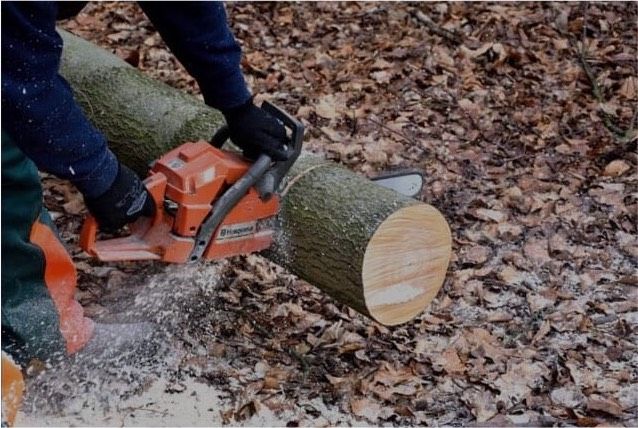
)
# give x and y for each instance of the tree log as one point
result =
(377, 251)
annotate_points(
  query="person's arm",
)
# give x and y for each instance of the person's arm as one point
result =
(38, 109)
(41, 116)
(198, 35)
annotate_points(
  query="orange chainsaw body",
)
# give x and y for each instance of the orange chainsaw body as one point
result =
(184, 183)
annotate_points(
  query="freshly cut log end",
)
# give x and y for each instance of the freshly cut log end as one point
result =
(379, 252)
(405, 263)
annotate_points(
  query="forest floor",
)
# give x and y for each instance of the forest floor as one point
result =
(523, 118)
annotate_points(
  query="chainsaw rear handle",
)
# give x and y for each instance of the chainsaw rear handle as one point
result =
(268, 183)
(156, 185)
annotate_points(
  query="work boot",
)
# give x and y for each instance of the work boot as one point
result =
(121, 343)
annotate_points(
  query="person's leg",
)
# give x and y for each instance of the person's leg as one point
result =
(40, 317)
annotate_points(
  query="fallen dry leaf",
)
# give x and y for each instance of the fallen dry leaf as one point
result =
(381, 77)
(449, 361)
(629, 88)
(490, 215)
(542, 332)
(326, 107)
(511, 276)
(482, 404)
(567, 397)
(602, 404)
(537, 251)
(365, 408)
(519, 380)
(476, 255)
(616, 168)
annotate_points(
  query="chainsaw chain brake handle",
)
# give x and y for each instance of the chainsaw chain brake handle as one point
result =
(264, 174)
(268, 183)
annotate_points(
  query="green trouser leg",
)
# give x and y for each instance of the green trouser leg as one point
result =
(30, 320)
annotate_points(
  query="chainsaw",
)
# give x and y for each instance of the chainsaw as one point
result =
(212, 203)
(209, 203)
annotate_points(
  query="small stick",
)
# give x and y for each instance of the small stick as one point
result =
(596, 92)
(595, 88)
(448, 35)
(384, 126)
(323, 132)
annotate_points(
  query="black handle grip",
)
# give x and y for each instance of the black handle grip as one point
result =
(290, 122)
(269, 183)
(270, 180)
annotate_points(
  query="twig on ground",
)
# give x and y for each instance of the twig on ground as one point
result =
(318, 128)
(618, 132)
(305, 367)
(597, 93)
(134, 408)
(394, 131)
(448, 35)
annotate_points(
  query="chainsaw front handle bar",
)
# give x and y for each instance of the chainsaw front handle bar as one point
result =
(268, 183)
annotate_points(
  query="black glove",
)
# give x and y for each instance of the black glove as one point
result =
(124, 202)
(256, 132)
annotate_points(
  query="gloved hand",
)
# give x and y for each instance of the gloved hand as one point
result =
(256, 132)
(124, 202)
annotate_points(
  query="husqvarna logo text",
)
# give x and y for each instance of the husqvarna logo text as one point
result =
(236, 231)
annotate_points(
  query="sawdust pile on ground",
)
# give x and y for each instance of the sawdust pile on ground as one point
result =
(524, 119)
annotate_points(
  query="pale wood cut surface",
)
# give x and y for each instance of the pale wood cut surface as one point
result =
(405, 263)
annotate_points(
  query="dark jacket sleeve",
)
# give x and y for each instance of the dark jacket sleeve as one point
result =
(38, 109)
(199, 36)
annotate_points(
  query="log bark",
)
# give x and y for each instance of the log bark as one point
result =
(141, 117)
(377, 251)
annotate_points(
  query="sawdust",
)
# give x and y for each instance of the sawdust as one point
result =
(161, 389)
(196, 405)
